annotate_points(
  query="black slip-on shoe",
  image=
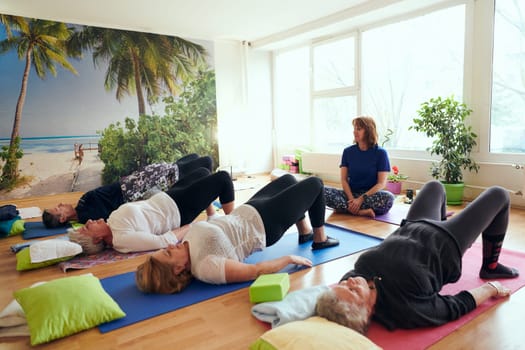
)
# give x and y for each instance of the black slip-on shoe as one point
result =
(506, 272)
(306, 237)
(330, 242)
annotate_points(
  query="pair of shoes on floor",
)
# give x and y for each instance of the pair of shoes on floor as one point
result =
(501, 271)
(330, 242)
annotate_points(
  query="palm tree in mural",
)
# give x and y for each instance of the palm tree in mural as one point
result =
(41, 44)
(139, 62)
(12, 21)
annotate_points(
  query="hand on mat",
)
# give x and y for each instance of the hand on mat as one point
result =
(502, 291)
(299, 260)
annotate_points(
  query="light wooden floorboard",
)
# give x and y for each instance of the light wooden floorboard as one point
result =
(225, 322)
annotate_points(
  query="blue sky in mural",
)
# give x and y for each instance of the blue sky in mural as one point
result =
(64, 105)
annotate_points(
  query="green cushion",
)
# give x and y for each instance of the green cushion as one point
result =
(17, 228)
(23, 261)
(269, 287)
(46, 252)
(66, 306)
(11, 227)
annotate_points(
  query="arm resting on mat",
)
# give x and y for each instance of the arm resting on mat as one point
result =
(236, 271)
(489, 290)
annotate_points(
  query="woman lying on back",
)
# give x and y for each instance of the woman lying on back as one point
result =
(214, 251)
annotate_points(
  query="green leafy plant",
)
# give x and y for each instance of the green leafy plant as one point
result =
(188, 126)
(389, 132)
(10, 155)
(443, 119)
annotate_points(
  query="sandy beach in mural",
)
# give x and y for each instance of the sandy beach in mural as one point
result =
(53, 173)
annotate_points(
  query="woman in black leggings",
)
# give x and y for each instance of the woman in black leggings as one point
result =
(214, 251)
(158, 221)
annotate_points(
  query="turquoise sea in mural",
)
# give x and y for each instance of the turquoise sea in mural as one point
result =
(54, 144)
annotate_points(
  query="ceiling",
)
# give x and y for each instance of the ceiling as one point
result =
(247, 20)
(263, 23)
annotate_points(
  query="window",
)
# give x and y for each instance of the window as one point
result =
(508, 84)
(386, 71)
(334, 64)
(292, 100)
(333, 123)
(407, 63)
(334, 94)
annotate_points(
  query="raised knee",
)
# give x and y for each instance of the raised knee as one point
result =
(499, 194)
(316, 181)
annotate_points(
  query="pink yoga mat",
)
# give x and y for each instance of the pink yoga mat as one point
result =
(422, 338)
(105, 257)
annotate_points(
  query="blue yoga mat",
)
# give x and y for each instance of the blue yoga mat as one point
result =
(37, 230)
(139, 306)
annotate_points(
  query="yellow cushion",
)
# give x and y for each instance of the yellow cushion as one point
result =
(313, 333)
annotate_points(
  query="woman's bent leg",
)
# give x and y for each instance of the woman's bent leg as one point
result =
(430, 203)
(197, 196)
(335, 199)
(191, 164)
(287, 207)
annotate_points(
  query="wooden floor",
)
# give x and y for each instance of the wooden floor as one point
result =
(225, 322)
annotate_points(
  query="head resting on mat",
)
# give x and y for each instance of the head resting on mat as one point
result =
(94, 236)
(59, 215)
(165, 271)
(349, 303)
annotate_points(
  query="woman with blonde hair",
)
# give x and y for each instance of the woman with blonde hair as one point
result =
(214, 251)
(364, 171)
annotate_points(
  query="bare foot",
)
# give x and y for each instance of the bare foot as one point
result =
(367, 212)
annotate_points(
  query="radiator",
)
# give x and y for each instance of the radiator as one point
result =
(324, 165)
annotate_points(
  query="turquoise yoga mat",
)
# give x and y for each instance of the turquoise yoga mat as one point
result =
(139, 306)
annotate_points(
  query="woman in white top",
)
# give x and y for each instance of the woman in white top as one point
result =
(155, 223)
(214, 251)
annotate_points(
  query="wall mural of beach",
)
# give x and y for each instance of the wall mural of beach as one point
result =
(68, 87)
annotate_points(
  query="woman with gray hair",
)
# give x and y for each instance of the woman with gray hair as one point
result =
(398, 282)
(158, 221)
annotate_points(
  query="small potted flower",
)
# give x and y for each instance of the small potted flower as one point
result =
(394, 180)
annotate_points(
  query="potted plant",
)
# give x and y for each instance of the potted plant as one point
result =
(394, 180)
(443, 119)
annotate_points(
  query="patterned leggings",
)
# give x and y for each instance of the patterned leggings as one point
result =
(380, 202)
(160, 176)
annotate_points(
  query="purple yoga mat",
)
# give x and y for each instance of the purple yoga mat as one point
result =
(398, 213)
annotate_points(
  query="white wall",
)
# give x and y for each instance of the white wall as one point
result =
(244, 107)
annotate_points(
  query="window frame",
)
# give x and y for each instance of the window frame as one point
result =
(477, 74)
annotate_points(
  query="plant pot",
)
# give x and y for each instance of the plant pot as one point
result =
(454, 193)
(394, 187)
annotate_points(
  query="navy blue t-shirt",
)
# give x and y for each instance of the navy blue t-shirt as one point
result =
(363, 166)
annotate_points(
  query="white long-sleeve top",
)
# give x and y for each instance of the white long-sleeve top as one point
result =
(145, 225)
(233, 236)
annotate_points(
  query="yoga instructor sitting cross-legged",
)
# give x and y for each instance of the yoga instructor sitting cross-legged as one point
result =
(398, 282)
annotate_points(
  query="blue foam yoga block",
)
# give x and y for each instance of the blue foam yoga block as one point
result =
(269, 287)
